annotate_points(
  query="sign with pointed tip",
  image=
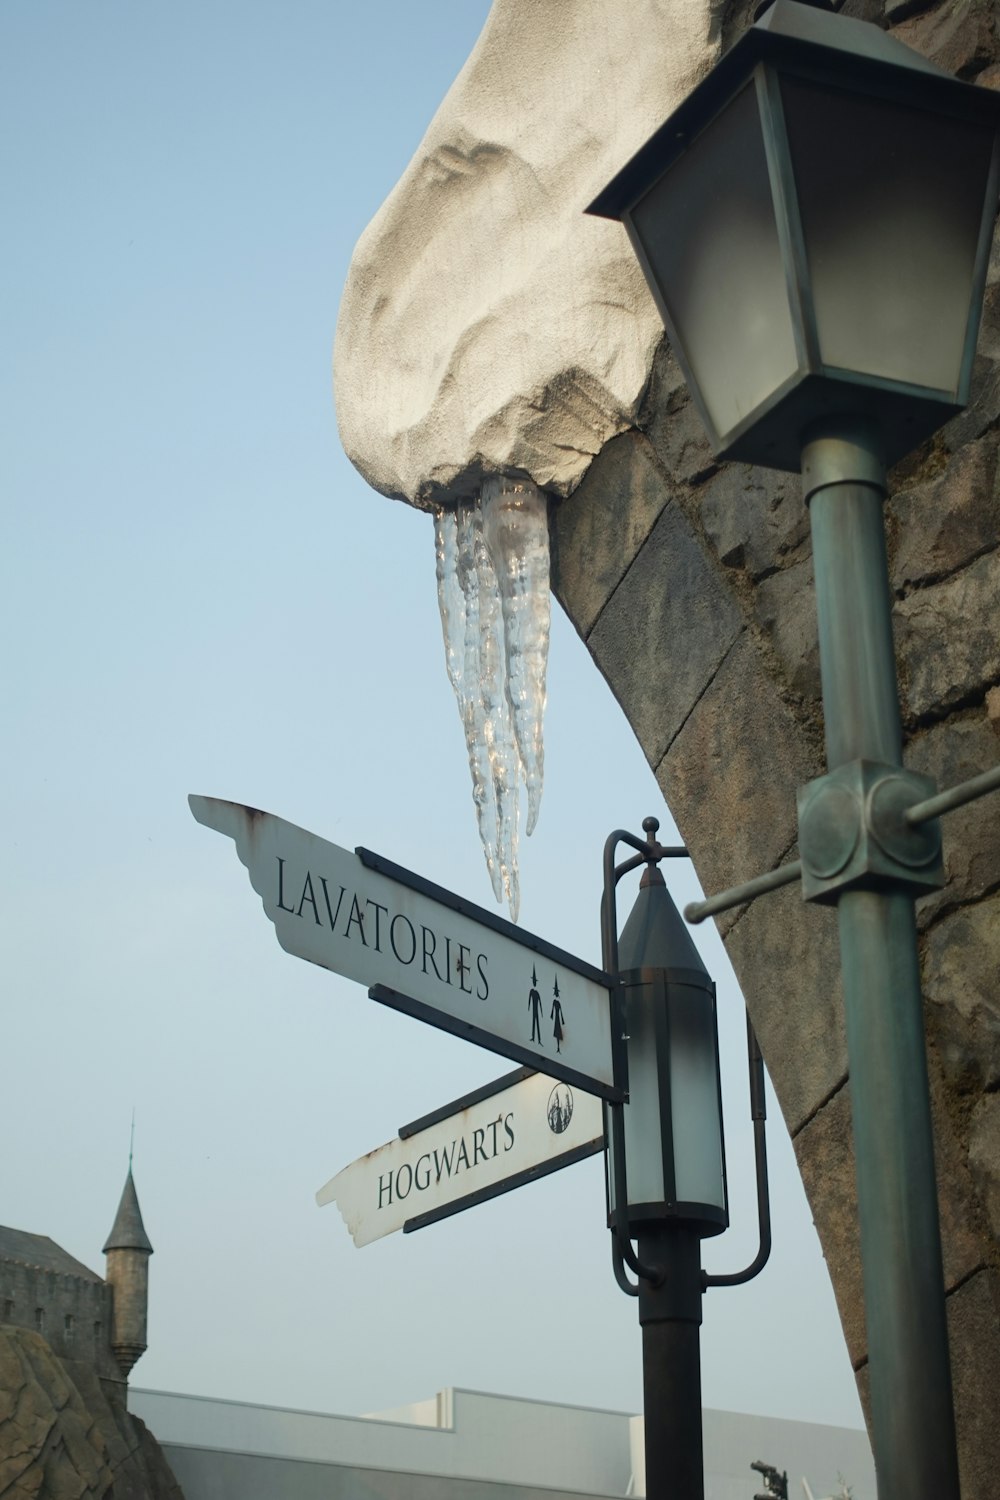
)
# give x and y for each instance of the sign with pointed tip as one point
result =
(489, 1142)
(421, 949)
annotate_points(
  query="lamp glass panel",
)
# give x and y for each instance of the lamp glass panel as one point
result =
(891, 201)
(695, 1104)
(643, 1141)
(708, 232)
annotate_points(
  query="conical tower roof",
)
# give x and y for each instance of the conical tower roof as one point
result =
(128, 1231)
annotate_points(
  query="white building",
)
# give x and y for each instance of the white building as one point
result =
(465, 1445)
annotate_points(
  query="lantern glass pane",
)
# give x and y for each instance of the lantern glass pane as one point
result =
(708, 233)
(643, 1143)
(891, 201)
(695, 1103)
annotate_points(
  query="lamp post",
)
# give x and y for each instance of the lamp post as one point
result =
(814, 222)
(666, 1159)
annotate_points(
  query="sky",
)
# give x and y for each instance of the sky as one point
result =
(201, 595)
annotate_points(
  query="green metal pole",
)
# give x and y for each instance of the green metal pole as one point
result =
(670, 1315)
(913, 1428)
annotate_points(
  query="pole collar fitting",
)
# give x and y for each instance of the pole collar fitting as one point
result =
(853, 832)
(841, 450)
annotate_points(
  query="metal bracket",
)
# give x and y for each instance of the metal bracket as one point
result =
(758, 1114)
(853, 832)
(911, 814)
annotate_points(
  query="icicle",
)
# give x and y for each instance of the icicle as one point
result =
(497, 727)
(515, 524)
(470, 700)
(493, 595)
(451, 600)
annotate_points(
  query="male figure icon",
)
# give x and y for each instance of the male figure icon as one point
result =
(535, 1006)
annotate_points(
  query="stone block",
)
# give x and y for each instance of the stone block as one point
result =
(786, 957)
(596, 534)
(824, 1150)
(901, 10)
(983, 411)
(964, 1245)
(961, 38)
(947, 522)
(679, 439)
(731, 774)
(786, 612)
(947, 642)
(974, 1339)
(754, 517)
(664, 632)
(984, 1157)
(666, 381)
(953, 752)
(961, 964)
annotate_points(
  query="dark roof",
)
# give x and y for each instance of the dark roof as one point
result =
(128, 1232)
(39, 1251)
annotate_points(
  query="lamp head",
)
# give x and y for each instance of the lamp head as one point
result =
(814, 222)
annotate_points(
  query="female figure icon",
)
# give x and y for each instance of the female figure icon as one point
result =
(556, 1015)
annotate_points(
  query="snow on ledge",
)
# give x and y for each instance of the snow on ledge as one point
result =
(488, 326)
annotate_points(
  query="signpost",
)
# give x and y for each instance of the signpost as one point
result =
(513, 1131)
(423, 950)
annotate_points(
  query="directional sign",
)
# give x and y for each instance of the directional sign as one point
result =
(423, 950)
(513, 1131)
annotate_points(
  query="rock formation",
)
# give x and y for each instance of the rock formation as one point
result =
(62, 1438)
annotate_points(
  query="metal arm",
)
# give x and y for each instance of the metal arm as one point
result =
(758, 1114)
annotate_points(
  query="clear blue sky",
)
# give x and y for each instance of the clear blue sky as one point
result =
(202, 596)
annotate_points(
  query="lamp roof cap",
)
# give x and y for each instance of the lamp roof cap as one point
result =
(842, 51)
(656, 935)
(128, 1231)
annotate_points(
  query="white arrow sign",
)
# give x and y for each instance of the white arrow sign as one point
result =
(513, 1131)
(421, 949)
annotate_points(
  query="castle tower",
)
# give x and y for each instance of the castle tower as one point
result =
(128, 1250)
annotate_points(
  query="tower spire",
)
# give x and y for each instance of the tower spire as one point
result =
(128, 1249)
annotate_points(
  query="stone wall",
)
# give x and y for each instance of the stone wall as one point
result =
(691, 584)
(73, 1315)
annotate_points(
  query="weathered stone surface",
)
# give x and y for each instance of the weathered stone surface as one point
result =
(984, 1156)
(974, 1339)
(952, 753)
(664, 631)
(959, 37)
(755, 519)
(732, 771)
(782, 950)
(678, 436)
(786, 611)
(62, 1439)
(947, 522)
(486, 325)
(593, 546)
(947, 641)
(960, 988)
(825, 1154)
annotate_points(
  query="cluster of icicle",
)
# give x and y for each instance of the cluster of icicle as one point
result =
(493, 592)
